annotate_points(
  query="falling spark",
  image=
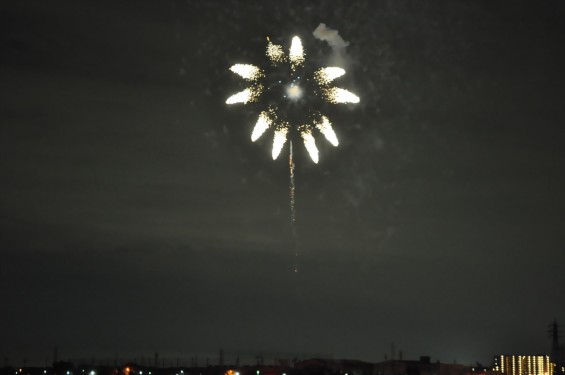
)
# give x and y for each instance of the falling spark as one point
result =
(279, 141)
(247, 71)
(337, 95)
(263, 123)
(296, 53)
(310, 144)
(325, 127)
(325, 75)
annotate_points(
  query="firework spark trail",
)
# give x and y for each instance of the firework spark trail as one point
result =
(293, 209)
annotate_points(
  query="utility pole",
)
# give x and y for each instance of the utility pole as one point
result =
(221, 357)
(556, 350)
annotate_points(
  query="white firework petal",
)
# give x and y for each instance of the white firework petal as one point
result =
(337, 95)
(325, 127)
(275, 53)
(296, 53)
(240, 97)
(279, 141)
(310, 144)
(263, 123)
(250, 94)
(247, 71)
(328, 74)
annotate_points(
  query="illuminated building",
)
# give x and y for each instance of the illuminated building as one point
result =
(523, 364)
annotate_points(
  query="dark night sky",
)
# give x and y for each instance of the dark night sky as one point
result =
(136, 216)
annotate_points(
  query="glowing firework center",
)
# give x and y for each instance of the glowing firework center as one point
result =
(293, 91)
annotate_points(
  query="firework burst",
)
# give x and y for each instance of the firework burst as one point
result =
(291, 87)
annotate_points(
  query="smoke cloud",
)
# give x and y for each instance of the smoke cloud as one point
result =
(330, 36)
(334, 40)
